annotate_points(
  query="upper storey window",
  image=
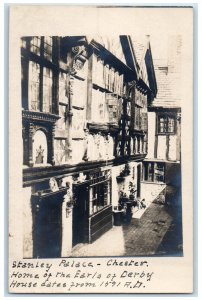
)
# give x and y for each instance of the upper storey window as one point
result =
(42, 46)
(35, 45)
(38, 73)
(47, 90)
(166, 124)
(48, 45)
(40, 99)
(34, 86)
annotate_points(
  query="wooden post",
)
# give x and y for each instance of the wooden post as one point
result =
(30, 143)
(89, 89)
(178, 133)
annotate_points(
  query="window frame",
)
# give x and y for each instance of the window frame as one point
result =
(29, 56)
(42, 91)
(42, 46)
(99, 181)
(166, 117)
(152, 176)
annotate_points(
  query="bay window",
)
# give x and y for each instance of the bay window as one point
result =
(154, 171)
(159, 172)
(100, 191)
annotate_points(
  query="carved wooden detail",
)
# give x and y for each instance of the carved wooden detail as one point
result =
(33, 122)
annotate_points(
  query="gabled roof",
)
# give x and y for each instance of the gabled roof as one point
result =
(150, 70)
(139, 57)
(111, 59)
(112, 44)
(129, 53)
(139, 44)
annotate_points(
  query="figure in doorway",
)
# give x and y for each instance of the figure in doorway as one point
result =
(39, 155)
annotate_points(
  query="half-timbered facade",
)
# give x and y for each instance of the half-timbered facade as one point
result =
(85, 135)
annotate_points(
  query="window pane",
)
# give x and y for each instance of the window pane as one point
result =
(171, 124)
(23, 43)
(100, 195)
(162, 125)
(145, 171)
(34, 72)
(48, 44)
(166, 124)
(150, 171)
(47, 90)
(137, 118)
(35, 45)
(159, 172)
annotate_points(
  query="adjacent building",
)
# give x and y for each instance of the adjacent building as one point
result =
(162, 165)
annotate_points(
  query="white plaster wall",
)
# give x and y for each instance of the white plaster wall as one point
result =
(115, 188)
(161, 151)
(27, 224)
(151, 133)
(172, 147)
(77, 151)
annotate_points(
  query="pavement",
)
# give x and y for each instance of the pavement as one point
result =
(157, 232)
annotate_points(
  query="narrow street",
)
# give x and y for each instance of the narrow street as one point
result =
(157, 232)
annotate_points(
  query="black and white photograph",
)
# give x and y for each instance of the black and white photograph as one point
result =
(100, 145)
(101, 122)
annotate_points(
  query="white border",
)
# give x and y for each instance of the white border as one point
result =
(197, 110)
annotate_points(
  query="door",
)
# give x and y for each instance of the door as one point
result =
(47, 228)
(138, 181)
(80, 214)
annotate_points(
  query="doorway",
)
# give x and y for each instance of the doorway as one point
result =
(47, 227)
(80, 214)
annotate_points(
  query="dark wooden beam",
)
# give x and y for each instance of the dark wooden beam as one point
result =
(35, 175)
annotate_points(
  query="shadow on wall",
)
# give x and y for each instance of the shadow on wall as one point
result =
(173, 174)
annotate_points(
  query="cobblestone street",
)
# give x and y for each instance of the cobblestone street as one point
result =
(145, 236)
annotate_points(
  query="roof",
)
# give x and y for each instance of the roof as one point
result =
(168, 76)
(169, 88)
(112, 44)
(138, 56)
(143, 55)
(139, 45)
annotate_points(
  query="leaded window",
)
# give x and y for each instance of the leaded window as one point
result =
(47, 90)
(166, 124)
(34, 86)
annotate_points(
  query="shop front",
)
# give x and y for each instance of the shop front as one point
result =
(77, 208)
(92, 212)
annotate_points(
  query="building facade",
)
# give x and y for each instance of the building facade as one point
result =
(85, 135)
(162, 165)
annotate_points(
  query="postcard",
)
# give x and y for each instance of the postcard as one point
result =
(100, 149)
